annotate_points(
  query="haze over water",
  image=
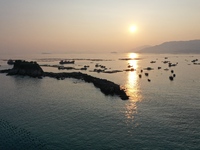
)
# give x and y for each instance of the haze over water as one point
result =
(71, 114)
(94, 26)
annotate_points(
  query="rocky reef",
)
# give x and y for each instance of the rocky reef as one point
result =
(106, 87)
(32, 69)
(25, 68)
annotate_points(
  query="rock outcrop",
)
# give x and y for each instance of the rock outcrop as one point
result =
(25, 68)
(10, 62)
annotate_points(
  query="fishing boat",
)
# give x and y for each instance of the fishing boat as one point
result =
(67, 62)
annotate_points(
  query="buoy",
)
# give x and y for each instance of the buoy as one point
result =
(171, 78)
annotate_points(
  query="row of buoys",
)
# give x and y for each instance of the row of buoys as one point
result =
(101, 66)
(146, 74)
(171, 77)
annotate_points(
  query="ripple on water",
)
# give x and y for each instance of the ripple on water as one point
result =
(13, 137)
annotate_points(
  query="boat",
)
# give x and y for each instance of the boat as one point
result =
(66, 62)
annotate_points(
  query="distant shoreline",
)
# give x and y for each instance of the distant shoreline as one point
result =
(173, 47)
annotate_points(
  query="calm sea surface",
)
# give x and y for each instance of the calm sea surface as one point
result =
(71, 114)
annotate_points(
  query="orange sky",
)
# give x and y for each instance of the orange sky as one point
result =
(94, 26)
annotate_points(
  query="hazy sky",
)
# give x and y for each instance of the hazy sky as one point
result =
(91, 25)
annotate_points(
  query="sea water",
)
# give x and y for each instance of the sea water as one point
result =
(71, 114)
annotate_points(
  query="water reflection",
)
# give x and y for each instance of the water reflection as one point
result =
(133, 89)
(132, 79)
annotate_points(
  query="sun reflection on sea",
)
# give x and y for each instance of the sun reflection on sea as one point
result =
(132, 78)
(133, 89)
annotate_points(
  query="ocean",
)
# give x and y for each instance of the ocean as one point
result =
(51, 114)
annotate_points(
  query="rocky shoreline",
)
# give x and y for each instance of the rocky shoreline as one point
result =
(32, 69)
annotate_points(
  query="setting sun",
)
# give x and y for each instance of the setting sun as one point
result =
(133, 28)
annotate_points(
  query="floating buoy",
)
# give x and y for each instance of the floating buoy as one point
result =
(171, 78)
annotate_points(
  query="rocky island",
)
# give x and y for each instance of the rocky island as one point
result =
(25, 68)
(33, 69)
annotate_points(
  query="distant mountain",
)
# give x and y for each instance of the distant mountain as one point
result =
(192, 46)
(140, 48)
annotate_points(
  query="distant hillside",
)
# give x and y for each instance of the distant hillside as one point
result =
(140, 48)
(192, 46)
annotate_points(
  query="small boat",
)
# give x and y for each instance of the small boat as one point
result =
(66, 62)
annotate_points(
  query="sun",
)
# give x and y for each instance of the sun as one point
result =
(133, 28)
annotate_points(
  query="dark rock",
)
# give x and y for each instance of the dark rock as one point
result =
(4, 71)
(10, 62)
(26, 68)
